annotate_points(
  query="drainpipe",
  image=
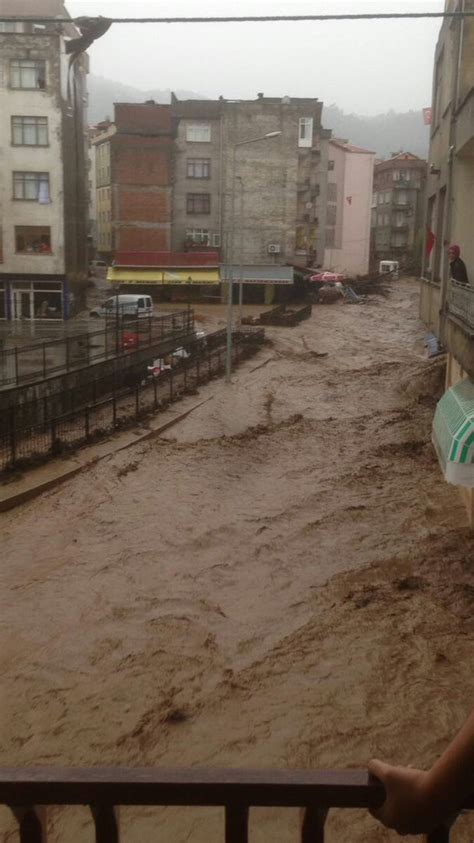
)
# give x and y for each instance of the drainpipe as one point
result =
(449, 181)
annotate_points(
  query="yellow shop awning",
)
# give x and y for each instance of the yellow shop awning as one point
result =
(122, 275)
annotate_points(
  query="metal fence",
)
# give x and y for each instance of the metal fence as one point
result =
(28, 792)
(460, 302)
(25, 444)
(21, 365)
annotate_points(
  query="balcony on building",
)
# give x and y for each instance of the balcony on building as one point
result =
(29, 792)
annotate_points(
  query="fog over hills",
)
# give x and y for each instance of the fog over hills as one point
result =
(382, 133)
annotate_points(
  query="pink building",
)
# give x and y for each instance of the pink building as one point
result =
(349, 200)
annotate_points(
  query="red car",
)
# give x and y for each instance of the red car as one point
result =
(327, 277)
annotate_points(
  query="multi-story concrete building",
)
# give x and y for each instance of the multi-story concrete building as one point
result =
(280, 182)
(43, 178)
(349, 200)
(134, 168)
(398, 209)
(447, 307)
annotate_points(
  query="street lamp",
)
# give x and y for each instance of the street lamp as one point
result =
(230, 265)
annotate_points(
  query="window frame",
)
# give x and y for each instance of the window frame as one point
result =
(35, 123)
(196, 127)
(198, 200)
(27, 65)
(39, 177)
(193, 164)
(305, 140)
(41, 231)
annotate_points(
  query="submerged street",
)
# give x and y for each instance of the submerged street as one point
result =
(281, 580)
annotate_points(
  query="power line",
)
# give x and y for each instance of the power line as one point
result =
(249, 19)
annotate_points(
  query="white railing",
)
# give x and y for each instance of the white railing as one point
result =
(460, 302)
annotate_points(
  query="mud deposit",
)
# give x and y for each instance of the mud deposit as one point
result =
(283, 581)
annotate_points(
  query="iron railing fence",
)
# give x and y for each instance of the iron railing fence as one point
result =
(24, 414)
(30, 363)
(34, 443)
(104, 790)
(460, 302)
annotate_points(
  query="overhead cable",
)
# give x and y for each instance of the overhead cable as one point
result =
(254, 18)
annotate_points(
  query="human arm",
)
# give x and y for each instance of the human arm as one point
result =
(417, 801)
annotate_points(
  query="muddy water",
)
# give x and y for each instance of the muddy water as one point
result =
(282, 581)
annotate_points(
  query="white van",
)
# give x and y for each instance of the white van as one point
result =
(125, 305)
(391, 268)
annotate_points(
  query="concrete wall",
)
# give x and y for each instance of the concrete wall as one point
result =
(186, 150)
(352, 174)
(284, 184)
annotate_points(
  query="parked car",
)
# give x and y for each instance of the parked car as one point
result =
(124, 305)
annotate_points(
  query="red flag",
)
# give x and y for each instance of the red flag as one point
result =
(430, 241)
(427, 116)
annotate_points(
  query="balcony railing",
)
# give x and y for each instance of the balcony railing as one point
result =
(237, 791)
(460, 302)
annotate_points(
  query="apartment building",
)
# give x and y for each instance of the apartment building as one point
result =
(447, 307)
(134, 170)
(43, 179)
(280, 182)
(398, 209)
(348, 215)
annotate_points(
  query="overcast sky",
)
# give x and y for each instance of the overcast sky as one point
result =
(365, 67)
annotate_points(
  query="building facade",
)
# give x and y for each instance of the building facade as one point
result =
(279, 192)
(398, 210)
(348, 216)
(43, 179)
(134, 171)
(446, 307)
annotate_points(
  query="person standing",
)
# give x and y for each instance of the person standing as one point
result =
(457, 267)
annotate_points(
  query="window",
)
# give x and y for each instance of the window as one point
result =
(305, 135)
(396, 175)
(30, 131)
(198, 203)
(331, 215)
(386, 219)
(330, 165)
(332, 192)
(198, 235)
(330, 237)
(198, 132)
(3, 310)
(216, 240)
(33, 239)
(26, 73)
(388, 196)
(380, 198)
(198, 168)
(31, 186)
(7, 26)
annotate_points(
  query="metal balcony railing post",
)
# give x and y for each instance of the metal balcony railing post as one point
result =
(236, 823)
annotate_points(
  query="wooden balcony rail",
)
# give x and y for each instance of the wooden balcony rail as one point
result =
(27, 792)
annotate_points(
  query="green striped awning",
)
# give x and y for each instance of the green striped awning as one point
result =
(453, 433)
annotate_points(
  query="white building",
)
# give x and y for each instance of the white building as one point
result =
(349, 200)
(43, 173)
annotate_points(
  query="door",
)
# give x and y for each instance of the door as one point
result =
(22, 304)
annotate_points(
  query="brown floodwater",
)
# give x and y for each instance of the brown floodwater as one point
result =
(282, 580)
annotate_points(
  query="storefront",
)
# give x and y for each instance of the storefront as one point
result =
(32, 300)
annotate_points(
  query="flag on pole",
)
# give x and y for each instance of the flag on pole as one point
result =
(430, 241)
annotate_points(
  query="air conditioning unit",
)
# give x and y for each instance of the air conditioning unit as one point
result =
(274, 249)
